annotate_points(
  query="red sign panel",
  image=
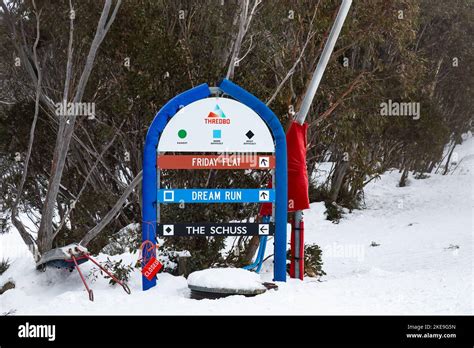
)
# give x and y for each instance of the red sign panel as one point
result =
(240, 161)
(152, 268)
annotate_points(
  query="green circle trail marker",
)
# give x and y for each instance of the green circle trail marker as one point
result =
(182, 133)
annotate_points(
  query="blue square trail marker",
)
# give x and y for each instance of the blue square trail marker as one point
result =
(216, 133)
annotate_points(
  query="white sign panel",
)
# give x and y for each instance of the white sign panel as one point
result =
(216, 125)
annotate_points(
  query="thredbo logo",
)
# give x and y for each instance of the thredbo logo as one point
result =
(37, 331)
(217, 116)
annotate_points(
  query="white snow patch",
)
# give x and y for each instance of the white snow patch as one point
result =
(422, 265)
(226, 278)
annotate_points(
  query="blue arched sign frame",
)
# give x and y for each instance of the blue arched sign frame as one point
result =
(149, 184)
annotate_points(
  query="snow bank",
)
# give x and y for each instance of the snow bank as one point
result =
(226, 278)
(422, 263)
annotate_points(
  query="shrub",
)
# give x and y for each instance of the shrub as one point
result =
(421, 176)
(313, 263)
(119, 270)
(4, 264)
(128, 239)
(333, 212)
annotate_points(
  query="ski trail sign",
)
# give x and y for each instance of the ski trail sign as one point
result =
(215, 196)
(216, 229)
(237, 161)
(196, 131)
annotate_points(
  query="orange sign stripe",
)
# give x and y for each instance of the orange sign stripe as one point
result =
(216, 161)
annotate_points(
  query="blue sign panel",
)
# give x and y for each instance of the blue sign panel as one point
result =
(216, 196)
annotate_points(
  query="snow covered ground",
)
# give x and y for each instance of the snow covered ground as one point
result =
(421, 262)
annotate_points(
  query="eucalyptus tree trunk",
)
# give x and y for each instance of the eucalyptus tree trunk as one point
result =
(65, 132)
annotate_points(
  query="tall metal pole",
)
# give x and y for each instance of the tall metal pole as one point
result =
(323, 61)
(300, 117)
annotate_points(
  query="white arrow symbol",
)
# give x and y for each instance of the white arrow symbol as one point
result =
(263, 229)
(264, 162)
(264, 195)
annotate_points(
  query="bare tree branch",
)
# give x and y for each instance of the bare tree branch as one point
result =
(333, 107)
(67, 81)
(27, 238)
(300, 57)
(244, 25)
(73, 204)
(63, 139)
(94, 232)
